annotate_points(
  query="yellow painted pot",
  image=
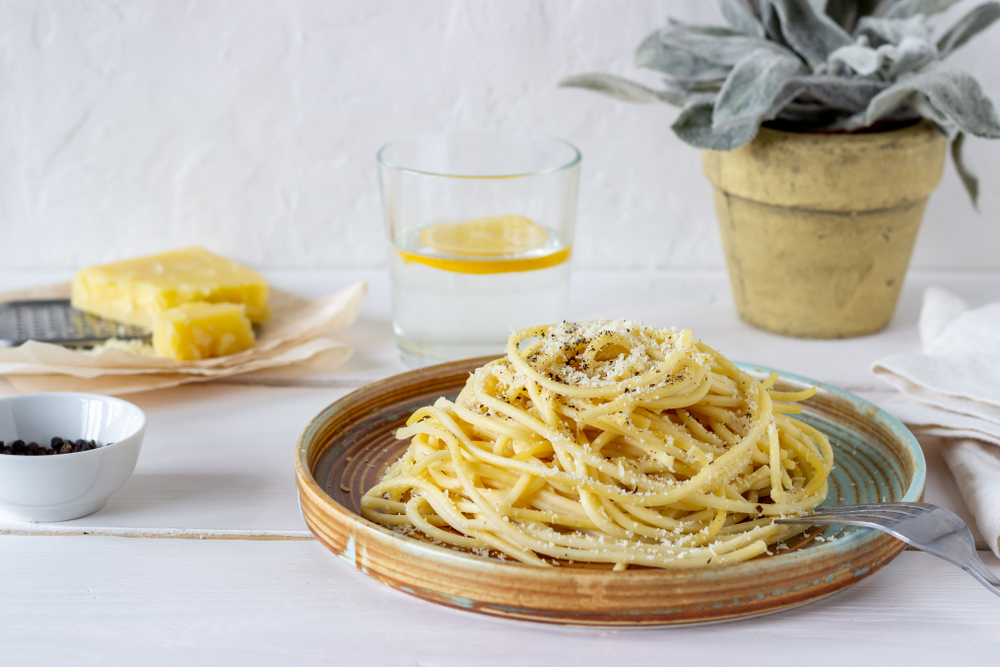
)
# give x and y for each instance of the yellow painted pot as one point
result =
(818, 228)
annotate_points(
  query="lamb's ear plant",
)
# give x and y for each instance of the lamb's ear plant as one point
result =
(813, 66)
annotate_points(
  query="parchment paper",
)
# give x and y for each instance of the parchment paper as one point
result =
(294, 337)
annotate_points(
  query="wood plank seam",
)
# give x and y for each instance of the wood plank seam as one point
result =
(170, 533)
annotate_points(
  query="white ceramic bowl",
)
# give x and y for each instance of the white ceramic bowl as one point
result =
(66, 486)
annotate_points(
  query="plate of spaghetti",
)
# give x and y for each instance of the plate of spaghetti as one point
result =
(604, 472)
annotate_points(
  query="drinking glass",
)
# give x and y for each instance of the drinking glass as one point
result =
(480, 232)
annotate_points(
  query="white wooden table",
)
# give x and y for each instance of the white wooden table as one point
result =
(236, 578)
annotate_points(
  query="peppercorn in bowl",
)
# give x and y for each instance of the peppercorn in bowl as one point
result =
(63, 454)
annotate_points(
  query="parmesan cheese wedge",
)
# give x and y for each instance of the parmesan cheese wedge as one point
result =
(134, 291)
(202, 330)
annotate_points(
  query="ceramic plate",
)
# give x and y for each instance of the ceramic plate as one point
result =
(345, 449)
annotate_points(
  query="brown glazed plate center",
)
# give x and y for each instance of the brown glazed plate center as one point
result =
(346, 448)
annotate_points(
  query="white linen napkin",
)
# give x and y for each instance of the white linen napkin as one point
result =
(952, 389)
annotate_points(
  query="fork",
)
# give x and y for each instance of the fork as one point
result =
(927, 527)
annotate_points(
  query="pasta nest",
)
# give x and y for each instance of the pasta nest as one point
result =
(607, 442)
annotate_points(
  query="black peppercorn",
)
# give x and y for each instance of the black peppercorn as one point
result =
(59, 446)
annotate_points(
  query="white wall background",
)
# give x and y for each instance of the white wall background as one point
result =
(250, 126)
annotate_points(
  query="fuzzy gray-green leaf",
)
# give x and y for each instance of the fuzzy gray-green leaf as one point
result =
(711, 30)
(888, 60)
(880, 30)
(901, 9)
(909, 56)
(923, 107)
(854, 59)
(677, 63)
(622, 89)
(771, 22)
(720, 50)
(813, 36)
(834, 92)
(694, 127)
(742, 18)
(954, 94)
(753, 87)
(694, 86)
(969, 179)
(979, 19)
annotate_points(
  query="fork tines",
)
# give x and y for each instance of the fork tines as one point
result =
(893, 512)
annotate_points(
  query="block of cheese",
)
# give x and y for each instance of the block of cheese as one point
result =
(135, 290)
(201, 330)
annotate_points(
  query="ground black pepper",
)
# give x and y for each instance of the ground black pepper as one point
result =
(58, 446)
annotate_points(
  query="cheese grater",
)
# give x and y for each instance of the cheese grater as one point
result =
(56, 321)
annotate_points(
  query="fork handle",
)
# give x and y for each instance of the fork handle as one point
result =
(973, 566)
(978, 570)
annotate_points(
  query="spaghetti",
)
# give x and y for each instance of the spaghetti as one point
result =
(607, 442)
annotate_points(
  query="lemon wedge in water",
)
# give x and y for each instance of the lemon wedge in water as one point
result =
(492, 236)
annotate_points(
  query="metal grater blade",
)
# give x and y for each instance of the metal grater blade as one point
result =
(56, 321)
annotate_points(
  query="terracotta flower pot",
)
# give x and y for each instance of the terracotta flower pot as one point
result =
(818, 229)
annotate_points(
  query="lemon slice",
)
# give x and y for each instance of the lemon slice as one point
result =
(482, 266)
(492, 236)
